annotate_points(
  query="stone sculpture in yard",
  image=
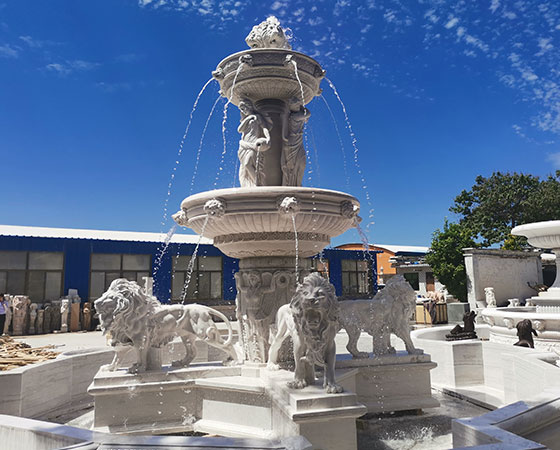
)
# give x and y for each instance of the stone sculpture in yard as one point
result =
(32, 318)
(20, 304)
(86, 316)
(466, 331)
(133, 318)
(490, 297)
(388, 312)
(64, 311)
(8, 315)
(311, 320)
(40, 321)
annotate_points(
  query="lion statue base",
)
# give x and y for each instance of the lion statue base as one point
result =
(388, 312)
(311, 321)
(134, 319)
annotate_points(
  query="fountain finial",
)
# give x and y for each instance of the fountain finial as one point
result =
(268, 34)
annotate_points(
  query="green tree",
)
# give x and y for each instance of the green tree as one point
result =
(446, 257)
(496, 204)
(487, 213)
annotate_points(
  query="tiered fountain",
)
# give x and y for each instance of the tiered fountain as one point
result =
(544, 309)
(273, 225)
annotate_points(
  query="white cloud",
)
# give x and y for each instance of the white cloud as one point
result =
(494, 5)
(7, 51)
(69, 67)
(544, 45)
(451, 23)
(33, 43)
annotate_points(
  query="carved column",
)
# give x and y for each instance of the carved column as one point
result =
(276, 110)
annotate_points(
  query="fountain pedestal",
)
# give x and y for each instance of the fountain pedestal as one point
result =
(240, 401)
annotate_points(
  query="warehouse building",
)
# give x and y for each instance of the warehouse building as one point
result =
(44, 263)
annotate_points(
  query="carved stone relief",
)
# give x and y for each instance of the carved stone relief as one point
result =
(259, 295)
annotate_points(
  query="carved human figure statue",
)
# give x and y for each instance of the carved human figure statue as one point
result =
(32, 318)
(293, 152)
(64, 310)
(490, 297)
(40, 321)
(255, 139)
(8, 320)
(255, 313)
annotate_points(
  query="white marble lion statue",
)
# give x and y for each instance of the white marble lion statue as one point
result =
(388, 312)
(311, 321)
(132, 318)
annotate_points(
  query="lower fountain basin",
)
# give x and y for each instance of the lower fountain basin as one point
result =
(259, 221)
(503, 322)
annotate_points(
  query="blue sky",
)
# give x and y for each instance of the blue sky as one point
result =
(95, 97)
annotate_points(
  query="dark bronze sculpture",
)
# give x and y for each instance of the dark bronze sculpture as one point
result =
(525, 333)
(466, 331)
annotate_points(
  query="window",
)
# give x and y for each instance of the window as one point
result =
(107, 267)
(205, 282)
(35, 274)
(320, 266)
(413, 280)
(356, 277)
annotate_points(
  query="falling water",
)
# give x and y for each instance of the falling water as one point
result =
(297, 247)
(195, 171)
(355, 146)
(315, 154)
(342, 149)
(364, 239)
(163, 248)
(224, 120)
(180, 152)
(190, 267)
(299, 81)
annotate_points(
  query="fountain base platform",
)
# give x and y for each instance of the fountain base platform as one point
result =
(254, 402)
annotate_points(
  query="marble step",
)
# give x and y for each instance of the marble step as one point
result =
(231, 430)
(233, 383)
(312, 397)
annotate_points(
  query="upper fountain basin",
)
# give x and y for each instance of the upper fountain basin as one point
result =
(540, 234)
(254, 222)
(269, 73)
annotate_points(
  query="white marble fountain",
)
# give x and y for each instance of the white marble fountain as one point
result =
(543, 309)
(273, 225)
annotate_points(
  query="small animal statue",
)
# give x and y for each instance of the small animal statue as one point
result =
(463, 332)
(525, 333)
(490, 297)
(311, 320)
(538, 287)
(388, 312)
